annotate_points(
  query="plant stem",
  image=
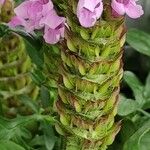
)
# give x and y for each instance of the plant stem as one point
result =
(144, 112)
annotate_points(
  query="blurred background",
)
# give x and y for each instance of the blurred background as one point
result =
(134, 61)
(143, 22)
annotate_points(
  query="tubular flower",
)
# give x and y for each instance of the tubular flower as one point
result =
(30, 13)
(129, 7)
(54, 30)
(88, 11)
(40, 14)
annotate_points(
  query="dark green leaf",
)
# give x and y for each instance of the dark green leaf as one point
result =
(49, 136)
(35, 55)
(146, 104)
(127, 130)
(45, 97)
(139, 40)
(38, 140)
(10, 128)
(38, 77)
(133, 143)
(32, 39)
(29, 102)
(4, 29)
(58, 144)
(9, 145)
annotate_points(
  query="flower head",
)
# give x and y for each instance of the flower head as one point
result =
(129, 7)
(88, 11)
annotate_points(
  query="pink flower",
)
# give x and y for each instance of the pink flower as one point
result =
(31, 12)
(2, 2)
(128, 7)
(40, 14)
(88, 11)
(54, 27)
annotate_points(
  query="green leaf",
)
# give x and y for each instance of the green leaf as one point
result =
(14, 128)
(127, 130)
(134, 142)
(38, 140)
(45, 96)
(38, 77)
(32, 39)
(139, 40)
(58, 144)
(49, 136)
(144, 142)
(4, 29)
(135, 85)
(146, 104)
(18, 1)
(29, 102)
(127, 106)
(9, 145)
(147, 87)
(36, 56)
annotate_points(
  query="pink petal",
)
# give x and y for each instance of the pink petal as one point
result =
(22, 9)
(16, 21)
(99, 10)
(88, 11)
(88, 4)
(51, 36)
(31, 25)
(118, 7)
(35, 9)
(87, 19)
(47, 7)
(52, 20)
(133, 10)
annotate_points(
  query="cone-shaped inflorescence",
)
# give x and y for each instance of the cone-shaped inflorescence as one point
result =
(90, 80)
(14, 68)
